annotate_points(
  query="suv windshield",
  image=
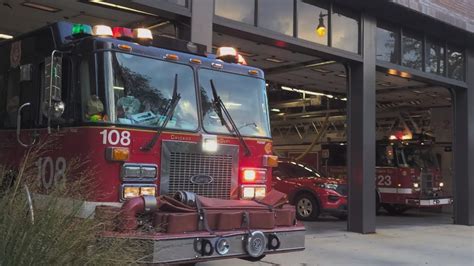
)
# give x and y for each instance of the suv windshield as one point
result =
(138, 89)
(244, 97)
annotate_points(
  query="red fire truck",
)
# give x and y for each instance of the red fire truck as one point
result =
(407, 172)
(153, 116)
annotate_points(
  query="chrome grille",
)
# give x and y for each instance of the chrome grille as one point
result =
(182, 161)
(427, 181)
(183, 166)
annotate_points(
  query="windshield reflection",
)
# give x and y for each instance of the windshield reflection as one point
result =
(142, 88)
(421, 157)
(244, 97)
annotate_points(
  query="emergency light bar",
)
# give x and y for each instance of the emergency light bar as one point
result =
(230, 55)
(141, 35)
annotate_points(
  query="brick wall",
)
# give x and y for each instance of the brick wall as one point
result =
(459, 13)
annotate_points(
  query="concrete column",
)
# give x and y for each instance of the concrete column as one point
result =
(464, 147)
(201, 22)
(361, 134)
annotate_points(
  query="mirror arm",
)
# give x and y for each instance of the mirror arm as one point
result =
(18, 127)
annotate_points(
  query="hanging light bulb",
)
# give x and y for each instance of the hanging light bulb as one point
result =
(321, 29)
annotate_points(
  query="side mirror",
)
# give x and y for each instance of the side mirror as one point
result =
(52, 104)
(18, 127)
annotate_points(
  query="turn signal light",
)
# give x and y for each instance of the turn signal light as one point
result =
(102, 30)
(270, 160)
(118, 154)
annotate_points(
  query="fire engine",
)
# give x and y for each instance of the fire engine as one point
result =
(407, 172)
(155, 117)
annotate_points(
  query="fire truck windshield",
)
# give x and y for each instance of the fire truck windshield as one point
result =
(244, 97)
(138, 90)
(420, 157)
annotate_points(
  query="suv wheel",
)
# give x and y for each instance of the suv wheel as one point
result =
(307, 207)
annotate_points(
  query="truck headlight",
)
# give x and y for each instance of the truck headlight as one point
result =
(441, 184)
(137, 172)
(132, 191)
(253, 192)
(416, 185)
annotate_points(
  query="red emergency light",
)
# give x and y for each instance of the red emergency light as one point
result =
(122, 33)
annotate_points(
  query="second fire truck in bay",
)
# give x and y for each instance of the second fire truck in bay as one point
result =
(407, 172)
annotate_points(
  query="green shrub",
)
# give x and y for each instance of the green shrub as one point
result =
(47, 231)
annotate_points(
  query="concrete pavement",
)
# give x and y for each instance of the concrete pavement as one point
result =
(416, 238)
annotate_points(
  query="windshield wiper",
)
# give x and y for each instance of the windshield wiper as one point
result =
(169, 110)
(220, 108)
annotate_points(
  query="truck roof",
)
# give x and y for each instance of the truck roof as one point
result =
(61, 35)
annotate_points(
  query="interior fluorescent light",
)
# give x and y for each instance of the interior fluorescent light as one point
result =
(275, 110)
(341, 75)
(306, 92)
(5, 36)
(101, 2)
(321, 70)
(274, 60)
(40, 6)
(321, 64)
(386, 84)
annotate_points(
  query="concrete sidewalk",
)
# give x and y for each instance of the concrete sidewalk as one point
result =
(416, 238)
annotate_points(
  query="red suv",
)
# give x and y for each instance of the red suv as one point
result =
(309, 191)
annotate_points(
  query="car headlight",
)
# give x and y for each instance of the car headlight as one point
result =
(441, 184)
(416, 185)
(329, 186)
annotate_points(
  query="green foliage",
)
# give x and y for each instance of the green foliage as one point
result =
(48, 231)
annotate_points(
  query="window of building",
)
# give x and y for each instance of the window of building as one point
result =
(309, 14)
(388, 44)
(455, 63)
(345, 30)
(434, 57)
(412, 51)
(242, 10)
(276, 15)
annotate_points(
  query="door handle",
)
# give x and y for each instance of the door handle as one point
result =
(18, 127)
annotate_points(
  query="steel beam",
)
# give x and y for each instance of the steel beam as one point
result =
(201, 22)
(464, 147)
(361, 133)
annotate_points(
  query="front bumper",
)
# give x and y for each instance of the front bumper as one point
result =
(186, 248)
(430, 202)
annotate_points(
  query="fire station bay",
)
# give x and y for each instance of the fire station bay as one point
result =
(288, 132)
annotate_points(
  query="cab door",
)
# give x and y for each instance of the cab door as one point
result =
(386, 173)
